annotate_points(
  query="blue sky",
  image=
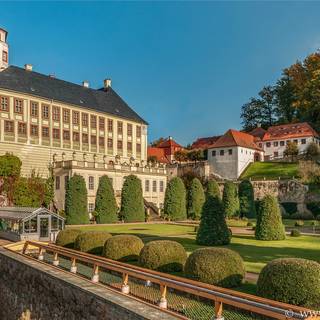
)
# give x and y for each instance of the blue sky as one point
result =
(185, 67)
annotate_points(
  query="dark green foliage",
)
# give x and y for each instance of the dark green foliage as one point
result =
(213, 229)
(196, 199)
(269, 223)
(91, 241)
(49, 191)
(163, 255)
(175, 200)
(314, 207)
(213, 189)
(290, 207)
(249, 224)
(246, 200)
(302, 216)
(295, 233)
(230, 199)
(132, 208)
(76, 201)
(123, 248)
(217, 266)
(67, 237)
(106, 205)
(291, 280)
(10, 166)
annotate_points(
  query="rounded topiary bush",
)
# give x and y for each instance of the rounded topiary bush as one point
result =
(67, 237)
(123, 248)
(218, 266)
(291, 280)
(91, 241)
(299, 223)
(163, 255)
(295, 233)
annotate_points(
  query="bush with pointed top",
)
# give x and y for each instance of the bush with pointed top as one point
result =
(213, 189)
(196, 198)
(230, 199)
(246, 200)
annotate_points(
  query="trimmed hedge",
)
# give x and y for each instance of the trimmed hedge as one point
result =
(291, 280)
(213, 189)
(91, 241)
(218, 266)
(314, 207)
(67, 237)
(196, 198)
(163, 255)
(246, 200)
(295, 233)
(230, 199)
(123, 248)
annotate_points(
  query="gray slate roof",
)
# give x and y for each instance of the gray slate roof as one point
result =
(29, 82)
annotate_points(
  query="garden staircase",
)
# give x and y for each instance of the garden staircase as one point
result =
(153, 211)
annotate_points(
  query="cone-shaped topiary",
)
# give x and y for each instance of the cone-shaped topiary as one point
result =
(175, 200)
(246, 200)
(213, 229)
(106, 205)
(76, 201)
(67, 237)
(291, 280)
(269, 223)
(196, 199)
(230, 199)
(123, 247)
(91, 241)
(132, 207)
(213, 189)
(217, 266)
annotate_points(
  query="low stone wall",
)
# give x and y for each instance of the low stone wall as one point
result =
(32, 290)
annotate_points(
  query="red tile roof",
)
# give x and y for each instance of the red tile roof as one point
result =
(234, 138)
(287, 131)
(169, 143)
(258, 132)
(158, 153)
(204, 143)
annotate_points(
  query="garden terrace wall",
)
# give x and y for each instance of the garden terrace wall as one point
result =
(53, 294)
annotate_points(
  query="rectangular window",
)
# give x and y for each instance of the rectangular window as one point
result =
(268, 144)
(138, 147)
(66, 115)
(120, 127)
(129, 130)
(101, 123)
(45, 132)
(154, 186)
(303, 141)
(34, 109)
(138, 131)
(66, 180)
(221, 152)
(57, 183)
(18, 106)
(8, 126)
(91, 183)
(75, 117)
(85, 138)
(295, 141)
(129, 146)
(45, 111)
(66, 135)
(213, 153)
(119, 145)
(56, 114)
(147, 186)
(110, 143)
(93, 140)
(230, 151)
(34, 130)
(93, 122)
(101, 141)
(161, 186)
(276, 154)
(56, 133)
(275, 143)
(76, 136)
(22, 128)
(91, 207)
(110, 125)
(281, 143)
(84, 117)
(5, 56)
(287, 142)
(4, 103)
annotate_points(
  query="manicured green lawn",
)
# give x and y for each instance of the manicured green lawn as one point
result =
(270, 170)
(254, 252)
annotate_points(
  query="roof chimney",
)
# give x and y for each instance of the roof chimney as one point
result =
(28, 67)
(85, 84)
(170, 138)
(107, 83)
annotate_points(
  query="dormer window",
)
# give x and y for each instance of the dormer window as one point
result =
(5, 56)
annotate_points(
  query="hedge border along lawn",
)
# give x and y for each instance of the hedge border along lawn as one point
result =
(67, 237)
(91, 241)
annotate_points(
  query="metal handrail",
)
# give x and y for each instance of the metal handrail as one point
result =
(251, 303)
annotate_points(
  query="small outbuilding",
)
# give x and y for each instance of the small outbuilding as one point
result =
(23, 223)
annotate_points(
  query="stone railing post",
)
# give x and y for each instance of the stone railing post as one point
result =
(73, 267)
(125, 287)
(95, 276)
(55, 261)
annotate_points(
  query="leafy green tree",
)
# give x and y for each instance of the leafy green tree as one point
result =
(230, 199)
(175, 200)
(157, 142)
(106, 205)
(246, 200)
(269, 223)
(291, 150)
(213, 189)
(313, 150)
(181, 155)
(49, 189)
(23, 196)
(76, 201)
(213, 229)
(196, 198)
(132, 207)
(195, 155)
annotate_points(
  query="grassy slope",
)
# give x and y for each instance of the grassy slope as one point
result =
(255, 253)
(270, 170)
